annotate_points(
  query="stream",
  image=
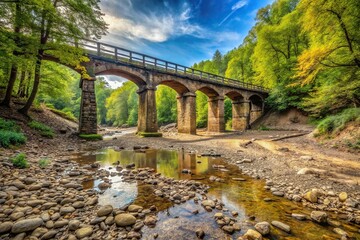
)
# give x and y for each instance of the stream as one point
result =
(238, 192)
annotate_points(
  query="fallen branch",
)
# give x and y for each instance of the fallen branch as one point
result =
(290, 136)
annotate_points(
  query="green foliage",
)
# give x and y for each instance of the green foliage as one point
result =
(10, 134)
(166, 105)
(20, 161)
(263, 128)
(335, 123)
(44, 162)
(8, 138)
(149, 134)
(91, 137)
(43, 129)
(67, 115)
(9, 125)
(102, 91)
(228, 125)
(201, 109)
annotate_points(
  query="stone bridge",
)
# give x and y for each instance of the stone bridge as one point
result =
(148, 72)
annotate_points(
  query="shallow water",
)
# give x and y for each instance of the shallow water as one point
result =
(177, 221)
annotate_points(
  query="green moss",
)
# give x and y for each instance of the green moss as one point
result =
(63, 114)
(91, 137)
(149, 134)
(263, 128)
(43, 129)
(20, 161)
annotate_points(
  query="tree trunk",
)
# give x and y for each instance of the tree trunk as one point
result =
(21, 89)
(6, 101)
(9, 89)
(25, 110)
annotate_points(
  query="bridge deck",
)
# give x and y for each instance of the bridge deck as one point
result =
(115, 54)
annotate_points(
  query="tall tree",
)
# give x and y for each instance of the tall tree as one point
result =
(60, 21)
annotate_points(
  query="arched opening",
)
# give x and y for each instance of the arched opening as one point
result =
(239, 111)
(175, 103)
(210, 110)
(256, 107)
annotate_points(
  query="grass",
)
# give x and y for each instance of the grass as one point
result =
(335, 123)
(44, 162)
(10, 134)
(64, 114)
(20, 161)
(91, 137)
(149, 134)
(43, 129)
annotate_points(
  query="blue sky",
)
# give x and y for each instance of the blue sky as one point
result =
(183, 32)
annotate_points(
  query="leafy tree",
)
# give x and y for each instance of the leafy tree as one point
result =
(166, 105)
(102, 91)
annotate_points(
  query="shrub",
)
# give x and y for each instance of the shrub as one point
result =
(10, 134)
(20, 161)
(228, 125)
(8, 138)
(91, 137)
(44, 162)
(43, 129)
(334, 124)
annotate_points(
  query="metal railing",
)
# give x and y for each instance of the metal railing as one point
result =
(123, 55)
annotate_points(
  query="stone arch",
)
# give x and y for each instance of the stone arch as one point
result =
(235, 96)
(208, 91)
(138, 80)
(175, 85)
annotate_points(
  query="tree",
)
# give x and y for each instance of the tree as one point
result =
(61, 21)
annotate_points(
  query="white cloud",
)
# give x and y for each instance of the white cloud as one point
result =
(239, 5)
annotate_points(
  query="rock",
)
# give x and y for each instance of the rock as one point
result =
(5, 227)
(133, 235)
(200, 233)
(281, 226)
(26, 225)
(97, 220)
(228, 229)
(311, 196)
(236, 226)
(134, 208)
(104, 185)
(124, 220)
(78, 204)
(132, 165)
(38, 232)
(84, 232)
(50, 234)
(138, 226)
(218, 215)
(278, 193)
(92, 201)
(150, 220)
(263, 228)
(105, 210)
(343, 196)
(340, 232)
(208, 203)
(109, 220)
(252, 235)
(319, 217)
(239, 179)
(306, 158)
(35, 187)
(74, 224)
(18, 184)
(73, 185)
(66, 210)
(15, 216)
(297, 216)
(61, 223)
(333, 223)
(34, 203)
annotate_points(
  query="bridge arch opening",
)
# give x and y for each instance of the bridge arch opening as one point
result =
(138, 80)
(256, 107)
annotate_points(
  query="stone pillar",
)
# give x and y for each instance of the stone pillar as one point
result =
(88, 114)
(216, 120)
(255, 113)
(147, 119)
(240, 115)
(186, 113)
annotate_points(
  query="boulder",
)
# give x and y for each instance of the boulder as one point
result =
(319, 216)
(281, 226)
(105, 210)
(252, 235)
(263, 228)
(84, 232)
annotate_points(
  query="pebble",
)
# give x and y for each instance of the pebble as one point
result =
(253, 235)
(84, 232)
(26, 225)
(263, 228)
(319, 216)
(124, 220)
(281, 226)
(105, 210)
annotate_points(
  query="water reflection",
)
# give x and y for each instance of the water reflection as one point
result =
(245, 197)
